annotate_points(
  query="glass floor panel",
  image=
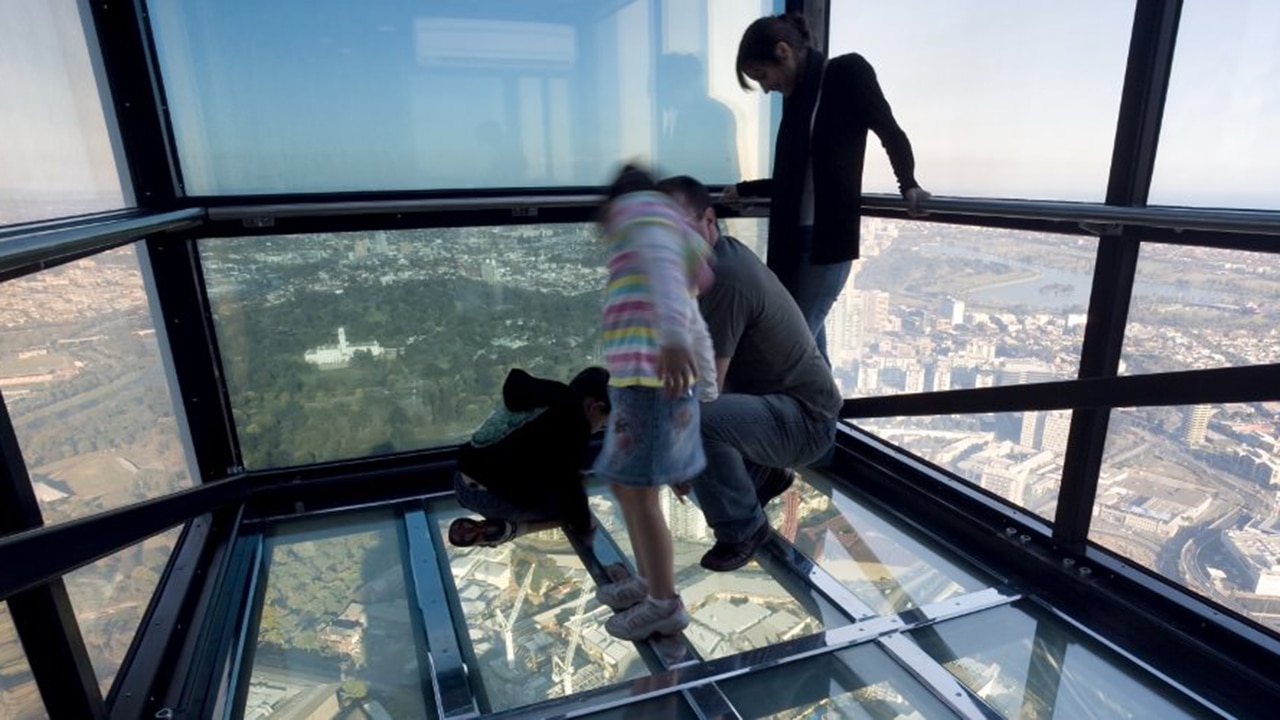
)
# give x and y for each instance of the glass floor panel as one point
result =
(887, 566)
(335, 632)
(1027, 663)
(535, 627)
(732, 612)
(861, 682)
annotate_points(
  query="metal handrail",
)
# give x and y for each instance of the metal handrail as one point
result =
(1259, 222)
(1263, 222)
(26, 252)
(20, 254)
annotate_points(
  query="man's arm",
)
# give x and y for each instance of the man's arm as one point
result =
(722, 369)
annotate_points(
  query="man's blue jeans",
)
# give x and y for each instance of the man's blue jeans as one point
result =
(817, 287)
(743, 436)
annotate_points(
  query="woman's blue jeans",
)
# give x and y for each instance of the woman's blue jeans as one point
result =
(816, 288)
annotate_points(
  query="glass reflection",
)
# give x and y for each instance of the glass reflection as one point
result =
(84, 381)
(536, 629)
(395, 94)
(1216, 144)
(860, 683)
(950, 89)
(19, 696)
(888, 567)
(56, 157)
(110, 597)
(1026, 663)
(732, 612)
(335, 634)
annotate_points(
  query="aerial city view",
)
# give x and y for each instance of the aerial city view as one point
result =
(347, 344)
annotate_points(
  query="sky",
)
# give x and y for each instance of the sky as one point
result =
(1019, 98)
(1005, 98)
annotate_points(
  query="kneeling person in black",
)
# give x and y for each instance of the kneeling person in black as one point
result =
(522, 470)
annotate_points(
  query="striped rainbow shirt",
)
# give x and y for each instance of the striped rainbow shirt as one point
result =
(656, 266)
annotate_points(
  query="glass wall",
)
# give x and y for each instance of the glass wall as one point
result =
(110, 597)
(56, 128)
(1217, 144)
(1199, 308)
(351, 344)
(1015, 456)
(934, 307)
(1005, 98)
(83, 378)
(1191, 492)
(19, 697)
(396, 94)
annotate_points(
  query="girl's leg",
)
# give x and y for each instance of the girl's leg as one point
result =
(630, 519)
(650, 538)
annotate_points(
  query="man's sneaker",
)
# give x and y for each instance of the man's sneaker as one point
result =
(726, 556)
(624, 593)
(664, 617)
(776, 482)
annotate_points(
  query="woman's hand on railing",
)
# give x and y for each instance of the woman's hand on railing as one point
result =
(914, 197)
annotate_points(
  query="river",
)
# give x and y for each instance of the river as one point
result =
(1075, 286)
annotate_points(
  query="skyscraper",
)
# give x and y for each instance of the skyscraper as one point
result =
(1031, 427)
(954, 309)
(1195, 420)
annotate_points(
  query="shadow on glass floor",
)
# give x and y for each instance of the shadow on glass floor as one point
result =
(335, 632)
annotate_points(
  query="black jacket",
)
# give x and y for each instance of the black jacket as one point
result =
(531, 451)
(851, 104)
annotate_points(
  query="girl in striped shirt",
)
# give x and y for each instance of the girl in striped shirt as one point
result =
(653, 339)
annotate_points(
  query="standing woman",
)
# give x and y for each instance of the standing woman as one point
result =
(816, 189)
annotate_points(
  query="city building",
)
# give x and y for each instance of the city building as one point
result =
(953, 310)
(1195, 421)
(328, 357)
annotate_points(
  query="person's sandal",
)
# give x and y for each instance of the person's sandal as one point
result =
(466, 532)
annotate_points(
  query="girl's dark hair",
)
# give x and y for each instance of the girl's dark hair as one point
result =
(762, 37)
(593, 383)
(631, 178)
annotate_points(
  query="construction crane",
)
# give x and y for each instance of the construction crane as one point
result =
(507, 624)
(562, 670)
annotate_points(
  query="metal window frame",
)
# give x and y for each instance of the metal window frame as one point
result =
(1146, 84)
(42, 613)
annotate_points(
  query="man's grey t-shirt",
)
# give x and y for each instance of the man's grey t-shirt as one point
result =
(755, 322)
